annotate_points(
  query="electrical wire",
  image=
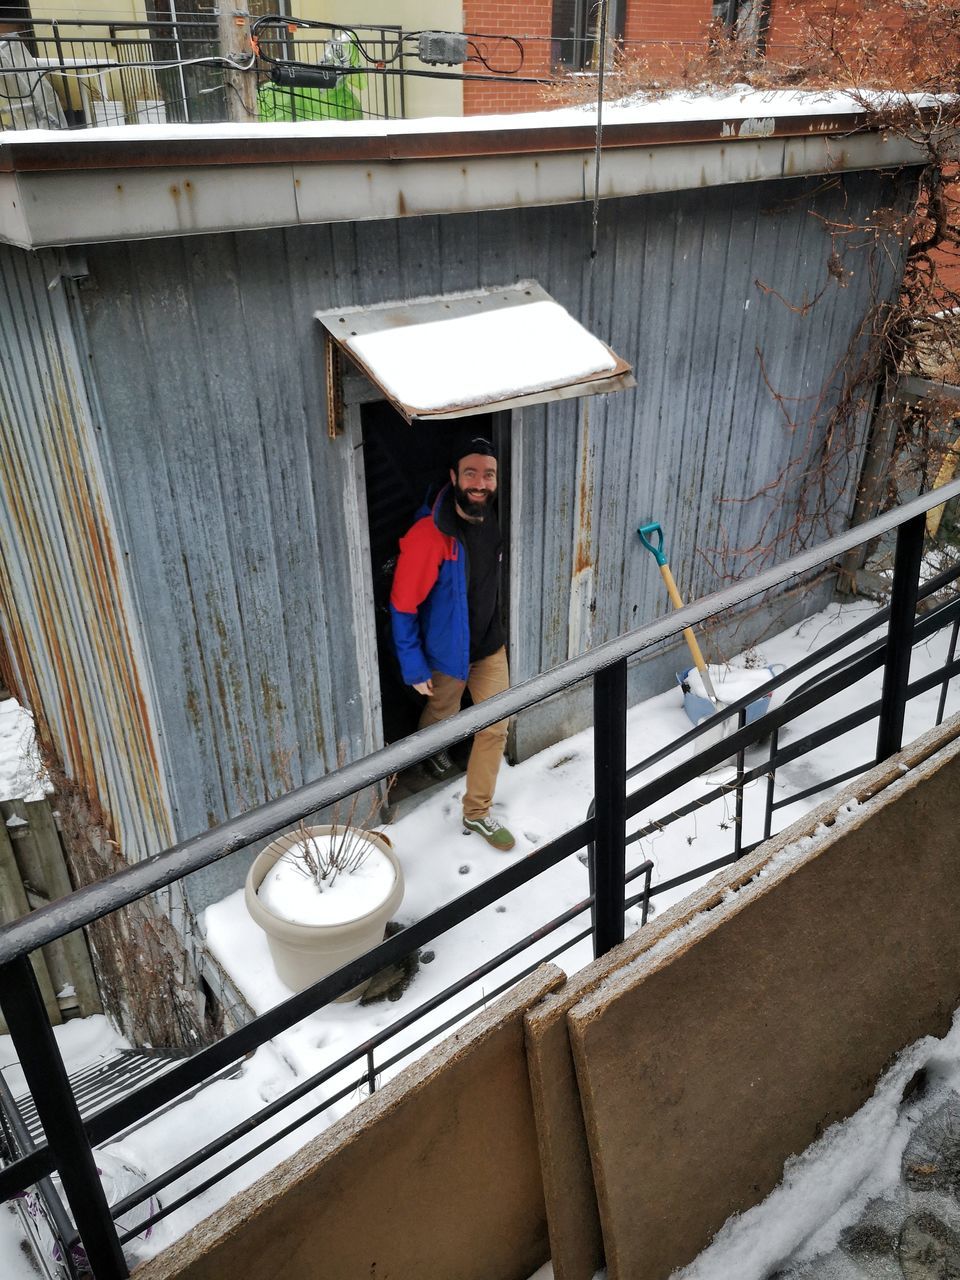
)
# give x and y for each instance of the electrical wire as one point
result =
(405, 42)
(21, 97)
(596, 182)
(290, 25)
(485, 61)
(77, 71)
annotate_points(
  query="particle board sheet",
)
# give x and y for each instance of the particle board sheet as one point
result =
(436, 1174)
(576, 1241)
(737, 1039)
(573, 1218)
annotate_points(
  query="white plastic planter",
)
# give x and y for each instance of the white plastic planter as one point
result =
(303, 954)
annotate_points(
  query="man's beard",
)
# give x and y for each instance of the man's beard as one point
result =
(471, 509)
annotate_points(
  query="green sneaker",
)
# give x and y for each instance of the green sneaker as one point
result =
(494, 832)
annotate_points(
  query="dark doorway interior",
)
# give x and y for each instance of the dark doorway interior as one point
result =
(402, 463)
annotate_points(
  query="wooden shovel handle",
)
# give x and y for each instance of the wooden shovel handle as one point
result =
(688, 635)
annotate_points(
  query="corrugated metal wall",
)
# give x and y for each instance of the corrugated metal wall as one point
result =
(62, 585)
(232, 502)
(235, 507)
(675, 292)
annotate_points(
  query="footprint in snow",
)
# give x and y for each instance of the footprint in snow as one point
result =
(533, 836)
(564, 759)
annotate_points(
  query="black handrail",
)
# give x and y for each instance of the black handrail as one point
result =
(123, 887)
(71, 1148)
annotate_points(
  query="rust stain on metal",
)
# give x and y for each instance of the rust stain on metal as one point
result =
(272, 703)
(193, 707)
(76, 625)
(125, 694)
(333, 373)
(583, 551)
(281, 755)
(158, 153)
(22, 505)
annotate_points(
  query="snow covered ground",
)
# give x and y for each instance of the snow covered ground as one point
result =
(826, 1188)
(538, 800)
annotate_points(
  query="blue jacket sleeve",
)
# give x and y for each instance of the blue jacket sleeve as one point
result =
(406, 640)
(421, 553)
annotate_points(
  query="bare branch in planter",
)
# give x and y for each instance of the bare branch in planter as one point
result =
(340, 851)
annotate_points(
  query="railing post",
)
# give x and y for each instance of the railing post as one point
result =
(610, 786)
(771, 783)
(57, 1110)
(903, 610)
(738, 804)
(951, 654)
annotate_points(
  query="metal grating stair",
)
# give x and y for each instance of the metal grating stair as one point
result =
(103, 1082)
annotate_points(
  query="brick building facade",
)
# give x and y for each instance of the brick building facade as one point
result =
(558, 33)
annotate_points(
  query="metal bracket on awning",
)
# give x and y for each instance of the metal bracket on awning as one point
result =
(467, 353)
(333, 378)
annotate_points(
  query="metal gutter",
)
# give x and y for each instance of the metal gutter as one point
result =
(85, 189)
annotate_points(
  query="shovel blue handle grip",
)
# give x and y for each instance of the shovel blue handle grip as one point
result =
(649, 532)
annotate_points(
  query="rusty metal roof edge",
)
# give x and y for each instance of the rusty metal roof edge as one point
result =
(78, 152)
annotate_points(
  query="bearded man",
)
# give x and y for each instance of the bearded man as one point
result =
(447, 627)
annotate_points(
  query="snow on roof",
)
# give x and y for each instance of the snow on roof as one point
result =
(482, 358)
(672, 108)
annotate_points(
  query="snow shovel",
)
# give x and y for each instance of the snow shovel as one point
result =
(651, 535)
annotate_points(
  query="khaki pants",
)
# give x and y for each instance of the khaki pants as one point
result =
(485, 678)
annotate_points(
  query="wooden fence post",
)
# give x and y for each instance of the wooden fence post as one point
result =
(55, 881)
(13, 905)
(43, 872)
(241, 86)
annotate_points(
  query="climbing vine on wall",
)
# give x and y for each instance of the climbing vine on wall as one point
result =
(899, 60)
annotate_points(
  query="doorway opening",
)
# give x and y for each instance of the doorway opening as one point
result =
(403, 465)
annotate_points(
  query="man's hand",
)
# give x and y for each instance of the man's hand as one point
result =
(425, 687)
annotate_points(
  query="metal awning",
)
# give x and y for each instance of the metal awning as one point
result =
(468, 353)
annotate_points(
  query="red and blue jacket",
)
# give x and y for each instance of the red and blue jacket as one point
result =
(428, 602)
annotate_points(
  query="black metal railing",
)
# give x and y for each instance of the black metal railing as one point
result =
(172, 71)
(601, 838)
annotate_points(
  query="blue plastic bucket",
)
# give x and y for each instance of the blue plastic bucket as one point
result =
(698, 707)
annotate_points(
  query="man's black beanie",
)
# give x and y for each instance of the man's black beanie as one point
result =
(474, 444)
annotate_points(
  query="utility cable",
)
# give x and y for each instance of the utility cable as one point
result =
(484, 60)
(374, 53)
(77, 72)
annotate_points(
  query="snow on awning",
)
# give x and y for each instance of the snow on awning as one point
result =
(467, 353)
